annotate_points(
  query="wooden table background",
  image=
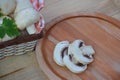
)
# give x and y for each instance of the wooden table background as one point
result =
(25, 67)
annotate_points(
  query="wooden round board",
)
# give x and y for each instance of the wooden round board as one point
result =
(98, 30)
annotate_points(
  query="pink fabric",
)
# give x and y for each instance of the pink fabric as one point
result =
(39, 25)
(38, 5)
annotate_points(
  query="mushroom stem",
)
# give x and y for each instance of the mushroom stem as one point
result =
(73, 67)
(78, 53)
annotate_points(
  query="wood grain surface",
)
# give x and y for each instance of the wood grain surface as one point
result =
(25, 67)
(55, 8)
(100, 31)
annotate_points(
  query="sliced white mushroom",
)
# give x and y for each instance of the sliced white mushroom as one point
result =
(87, 50)
(59, 51)
(73, 59)
(75, 68)
(79, 43)
(77, 53)
(74, 56)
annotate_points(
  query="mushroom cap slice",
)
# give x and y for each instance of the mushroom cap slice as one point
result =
(72, 66)
(87, 50)
(79, 43)
(77, 53)
(59, 51)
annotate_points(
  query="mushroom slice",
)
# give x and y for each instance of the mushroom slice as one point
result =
(77, 53)
(59, 51)
(87, 50)
(75, 68)
(79, 43)
(73, 59)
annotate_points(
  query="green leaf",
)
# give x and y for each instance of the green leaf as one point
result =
(2, 32)
(10, 27)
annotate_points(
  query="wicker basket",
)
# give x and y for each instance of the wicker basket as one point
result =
(25, 42)
(19, 45)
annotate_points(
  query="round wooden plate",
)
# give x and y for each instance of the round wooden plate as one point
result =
(98, 30)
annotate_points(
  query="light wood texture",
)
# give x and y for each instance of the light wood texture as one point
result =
(25, 67)
(55, 8)
(100, 31)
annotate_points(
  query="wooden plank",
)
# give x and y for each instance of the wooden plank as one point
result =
(117, 15)
(25, 67)
(117, 2)
(61, 7)
(29, 73)
(53, 10)
(107, 7)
